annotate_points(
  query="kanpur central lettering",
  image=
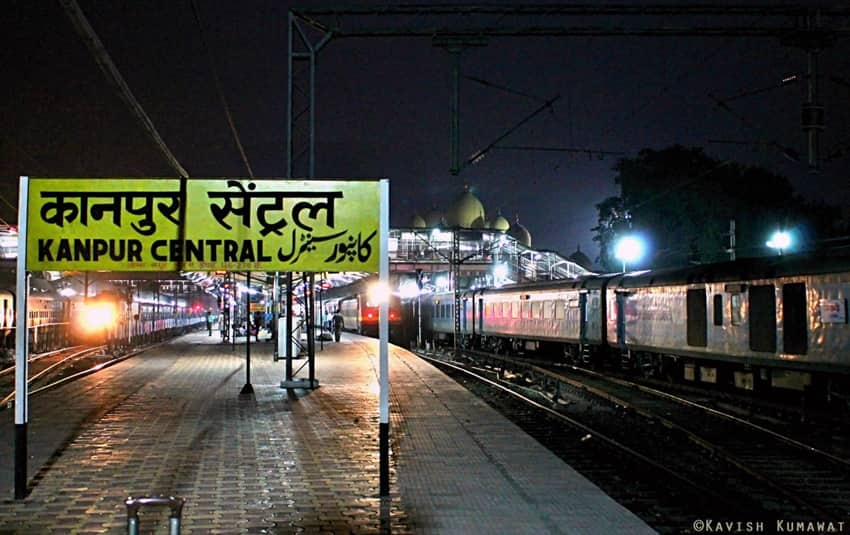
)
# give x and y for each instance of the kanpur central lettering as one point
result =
(130, 250)
(209, 251)
(89, 250)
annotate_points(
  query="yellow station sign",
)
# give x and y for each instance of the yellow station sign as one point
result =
(215, 224)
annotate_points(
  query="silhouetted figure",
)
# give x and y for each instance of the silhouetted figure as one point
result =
(337, 325)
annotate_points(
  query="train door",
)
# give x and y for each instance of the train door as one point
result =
(622, 297)
(480, 326)
(463, 316)
(582, 317)
(697, 322)
(794, 330)
(762, 318)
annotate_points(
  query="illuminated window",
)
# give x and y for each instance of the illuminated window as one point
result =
(548, 309)
(737, 304)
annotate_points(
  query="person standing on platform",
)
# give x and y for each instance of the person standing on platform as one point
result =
(337, 325)
(210, 319)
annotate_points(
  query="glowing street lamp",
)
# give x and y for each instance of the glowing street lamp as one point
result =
(780, 240)
(629, 249)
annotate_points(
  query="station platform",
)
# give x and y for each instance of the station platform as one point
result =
(171, 421)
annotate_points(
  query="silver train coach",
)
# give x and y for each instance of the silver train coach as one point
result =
(754, 324)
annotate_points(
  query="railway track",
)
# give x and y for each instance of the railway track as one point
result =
(47, 370)
(661, 496)
(772, 476)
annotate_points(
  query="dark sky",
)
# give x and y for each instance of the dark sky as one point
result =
(383, 107)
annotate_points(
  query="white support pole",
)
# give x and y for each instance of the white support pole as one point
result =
(21, 349)
(383, 347)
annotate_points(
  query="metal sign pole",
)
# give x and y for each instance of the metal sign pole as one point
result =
(248, 389)
(383, 347)
(21, 349)
(289, 354)
(275, 315)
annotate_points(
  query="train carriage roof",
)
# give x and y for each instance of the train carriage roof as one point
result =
(740, 270)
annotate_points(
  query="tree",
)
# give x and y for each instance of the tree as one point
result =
(684, 200)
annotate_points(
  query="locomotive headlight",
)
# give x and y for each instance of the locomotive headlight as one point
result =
(378, 293)
(98, 316)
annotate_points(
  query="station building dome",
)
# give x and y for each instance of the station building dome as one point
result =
(466, 212)
(434, 219)
(581, 259)
(500, 223)
(417, 221)
(520, 233)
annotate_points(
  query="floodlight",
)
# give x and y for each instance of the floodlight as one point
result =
(779, 241)
(629, 249)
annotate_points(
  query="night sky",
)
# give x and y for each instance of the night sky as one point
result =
(383, 107)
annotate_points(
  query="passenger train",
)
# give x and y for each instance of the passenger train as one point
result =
(754, 324)
(110, 315)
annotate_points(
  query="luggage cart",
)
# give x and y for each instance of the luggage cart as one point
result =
(174, 504)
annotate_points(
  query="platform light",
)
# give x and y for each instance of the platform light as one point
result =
(629, 249)
(408, 289)
(779, 240)
(500, 274)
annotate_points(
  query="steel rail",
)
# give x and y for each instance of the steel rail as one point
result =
(583, 427)
(672, 397)
(7, 402)
(712, 448)
(37, 357)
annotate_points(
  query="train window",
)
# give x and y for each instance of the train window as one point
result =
(514, 310)
(548, 309)
(737, 302)
(697, 318)
(525, 310)
(762, 318)
(794, 335)
(536, 313)
(718, 309)
(560, 311)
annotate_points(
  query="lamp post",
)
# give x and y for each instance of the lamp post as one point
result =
(779, 240)
(628, 249)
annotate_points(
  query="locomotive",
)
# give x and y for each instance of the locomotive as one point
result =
(754, 324)
(112, 315)
(359, 309)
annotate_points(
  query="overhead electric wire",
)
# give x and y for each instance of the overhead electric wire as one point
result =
(686, 73)
(104, 61)
(218, 86)
(504, 88)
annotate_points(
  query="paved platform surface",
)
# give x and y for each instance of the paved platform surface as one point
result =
(171, 421)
